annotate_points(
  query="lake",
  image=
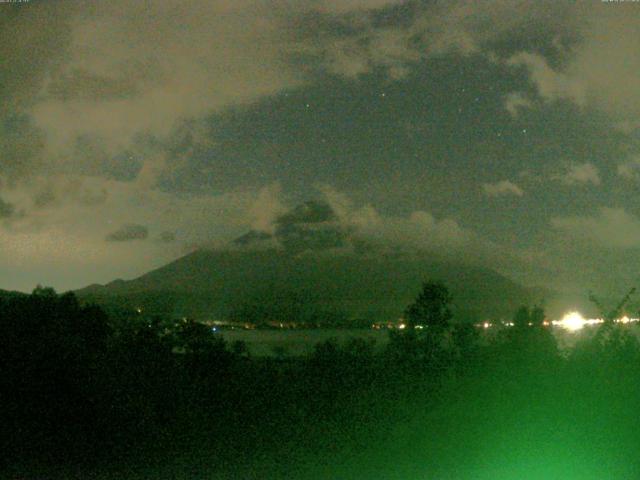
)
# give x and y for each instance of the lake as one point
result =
(296, 342)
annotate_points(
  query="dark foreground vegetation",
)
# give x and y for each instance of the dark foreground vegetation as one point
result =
(87, 396)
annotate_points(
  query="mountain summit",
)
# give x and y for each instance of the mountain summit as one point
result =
(310, 268)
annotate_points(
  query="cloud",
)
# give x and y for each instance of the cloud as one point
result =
(7, 210)
(102, 99)
(610, 227)
(607, 60)
(21, 147)
(370, 231)
(550, 84)
(255, 238)
(33, 39)
(515, 101)
(87, 80)
(354, 45)
(98, 80)
(580, 174)
(102, 75)
(349, 6)
(167, 236)
(579, 52)
(113, 70)
(335, 222)
(598, 67)
(114, 79)
(59, 190)
(629, 170)
(504, 187)
(128, 232)
(418, 231)
(358, 44)
(310, 212)
(63, 243)
(312, 225)
(362, 52)
(159, 59)
(267, 207)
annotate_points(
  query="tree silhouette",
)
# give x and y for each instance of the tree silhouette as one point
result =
(431, 307)
(537, 316)
(610, 315)
(522, 317)
(529, 317)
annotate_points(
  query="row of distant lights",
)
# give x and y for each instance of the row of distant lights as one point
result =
(572, 321)
(402, 326)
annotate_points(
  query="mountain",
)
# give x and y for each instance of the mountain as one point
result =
(271, 283)
(310, 268)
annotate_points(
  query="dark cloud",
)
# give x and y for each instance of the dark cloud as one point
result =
(414, 107)
(21, 146)
(7, 210)
(312, 211)
(251, 238)
(313, 225)
(61, 190)
(83, 85)
(92, 156)
(34, 40)
(167, 237)
(335, 225)
(92, 197)
(45, 197)
(128, 232)
(33, 43)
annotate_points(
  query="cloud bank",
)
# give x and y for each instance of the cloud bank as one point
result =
(128, 232)
(504, 187)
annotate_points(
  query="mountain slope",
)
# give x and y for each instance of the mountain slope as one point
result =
(313, 267)
(275, 283)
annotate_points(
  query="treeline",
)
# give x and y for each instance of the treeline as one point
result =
(84, 394)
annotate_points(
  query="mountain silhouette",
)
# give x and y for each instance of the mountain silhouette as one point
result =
(312, 269)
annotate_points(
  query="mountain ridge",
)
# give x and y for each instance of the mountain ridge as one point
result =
(221, 283)
(311, 267)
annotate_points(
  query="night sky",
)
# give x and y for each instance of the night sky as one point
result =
(504, 133)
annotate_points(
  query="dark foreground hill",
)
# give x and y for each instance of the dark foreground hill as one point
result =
(8, 294)
(272, 284)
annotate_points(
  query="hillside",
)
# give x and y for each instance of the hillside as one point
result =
(232, 283)
(311, 268)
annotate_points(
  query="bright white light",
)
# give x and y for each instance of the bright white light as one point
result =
(572, 321)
